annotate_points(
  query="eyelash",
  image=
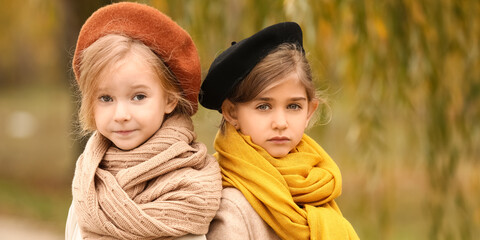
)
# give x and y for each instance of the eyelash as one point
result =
(262, 107)
(293, 106)
(296, 106)
(143, 96)
(107, 98)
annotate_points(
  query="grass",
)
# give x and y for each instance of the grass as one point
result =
(48, 206)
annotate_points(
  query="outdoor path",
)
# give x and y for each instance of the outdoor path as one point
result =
(14, 228)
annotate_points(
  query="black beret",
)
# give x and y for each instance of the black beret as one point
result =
(235, 63)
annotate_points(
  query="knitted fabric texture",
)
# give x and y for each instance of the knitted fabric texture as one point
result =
(167, 187)
(156, 30)
(294, 194)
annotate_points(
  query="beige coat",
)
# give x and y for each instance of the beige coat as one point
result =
(237, 220)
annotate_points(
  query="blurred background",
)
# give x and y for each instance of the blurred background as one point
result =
(402, 78)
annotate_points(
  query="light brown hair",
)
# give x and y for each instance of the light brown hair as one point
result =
(102, 55)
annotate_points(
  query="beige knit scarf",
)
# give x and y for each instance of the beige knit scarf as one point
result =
(167, 187)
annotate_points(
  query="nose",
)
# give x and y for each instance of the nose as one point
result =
(121, 112)
(279, 120)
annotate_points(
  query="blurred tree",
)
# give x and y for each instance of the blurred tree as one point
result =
(404, 76)
(28, 43)
(74, 14)
(411, 65)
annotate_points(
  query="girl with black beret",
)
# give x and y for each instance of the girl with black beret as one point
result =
(278, 182)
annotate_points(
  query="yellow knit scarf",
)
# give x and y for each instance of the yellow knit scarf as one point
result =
(294, 194)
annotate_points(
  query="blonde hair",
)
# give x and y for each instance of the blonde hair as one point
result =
(102, 55)
(283, 60)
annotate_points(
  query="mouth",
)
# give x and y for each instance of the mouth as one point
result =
(123, 132)
(279, 139)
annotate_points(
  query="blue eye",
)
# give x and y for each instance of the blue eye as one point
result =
(263, 107)
(105, 98)
(139, 97)
(294, 106)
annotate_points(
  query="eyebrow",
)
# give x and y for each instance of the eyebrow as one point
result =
(298, 99)
(134, 86)
(266, 99)
(263, 99)
(102, 89)
(137, 86)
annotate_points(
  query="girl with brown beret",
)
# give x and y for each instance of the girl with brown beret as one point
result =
(278, 182)
(142, 175)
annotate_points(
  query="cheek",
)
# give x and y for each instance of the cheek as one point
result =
(158, 117)
(247, 123)
(96, 116)
(101, 115)
(302, 123)
(98, 121)
(149, 117)
(300, 128)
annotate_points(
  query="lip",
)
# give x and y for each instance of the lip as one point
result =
(123, 132)
(279, 139)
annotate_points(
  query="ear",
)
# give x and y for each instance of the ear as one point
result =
(229, 112)
(312, 107)
(172, 102)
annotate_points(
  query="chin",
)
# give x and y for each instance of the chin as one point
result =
(124, 147)
(278, 155)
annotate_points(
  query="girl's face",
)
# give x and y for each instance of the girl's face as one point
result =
(276, 119)
(130, 104)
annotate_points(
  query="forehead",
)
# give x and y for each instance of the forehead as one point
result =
(131, 60)
(289, 84)
(127, 72)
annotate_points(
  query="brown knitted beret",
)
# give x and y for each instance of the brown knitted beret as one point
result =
(156, 30)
